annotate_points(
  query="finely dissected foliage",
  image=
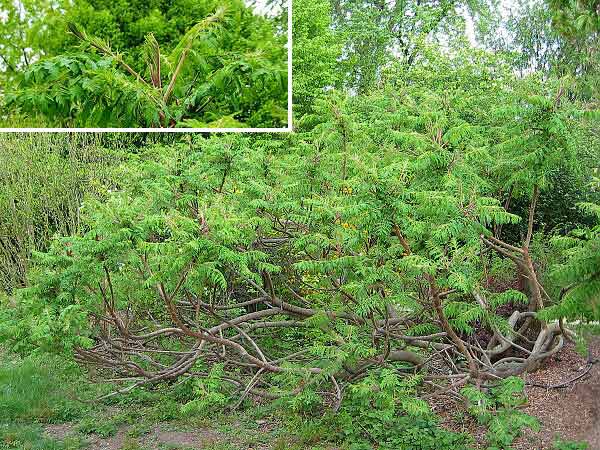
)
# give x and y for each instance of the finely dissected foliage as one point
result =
(579, 274)
(360, 248)
(228, 69)
(399, 247)
(125, 24)
(499, 410)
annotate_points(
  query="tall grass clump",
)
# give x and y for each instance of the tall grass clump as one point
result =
(42, 183)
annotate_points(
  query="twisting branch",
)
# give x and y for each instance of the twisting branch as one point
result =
(229, 327)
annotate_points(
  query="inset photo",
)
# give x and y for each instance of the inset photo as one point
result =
(145, 65)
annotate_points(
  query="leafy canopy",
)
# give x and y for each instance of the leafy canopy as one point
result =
(227, 69)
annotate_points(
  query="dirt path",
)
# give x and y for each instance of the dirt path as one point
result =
(159, 437)
(571, 412)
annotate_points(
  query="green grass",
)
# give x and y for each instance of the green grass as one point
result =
(38, 390)
(31, 437)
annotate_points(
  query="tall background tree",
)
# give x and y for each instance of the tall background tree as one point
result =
(377, 32)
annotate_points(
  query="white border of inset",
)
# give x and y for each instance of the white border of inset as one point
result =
(287, 129)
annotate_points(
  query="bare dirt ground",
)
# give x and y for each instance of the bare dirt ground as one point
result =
(158, 438)
(200, 439)
(65, 430)
(564, 395)
(572, 411)
(169, 436)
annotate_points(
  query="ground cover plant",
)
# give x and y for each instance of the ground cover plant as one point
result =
(388, 276)
(220, 65)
